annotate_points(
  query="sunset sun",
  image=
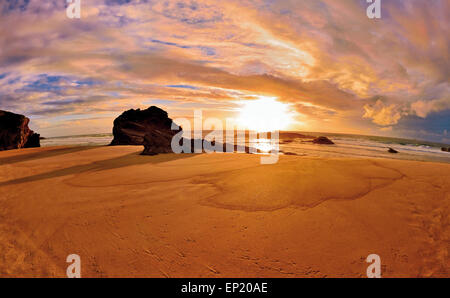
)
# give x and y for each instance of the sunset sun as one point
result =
(265, 114)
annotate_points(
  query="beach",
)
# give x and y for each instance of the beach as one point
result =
(219, 215)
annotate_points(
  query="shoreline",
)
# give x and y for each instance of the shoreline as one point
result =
(313, 151)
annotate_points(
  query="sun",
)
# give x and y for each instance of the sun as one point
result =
(265, 114)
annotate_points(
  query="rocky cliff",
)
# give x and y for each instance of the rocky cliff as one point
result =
(15, 133)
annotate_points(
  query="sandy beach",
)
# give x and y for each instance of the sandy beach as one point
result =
(219, 215)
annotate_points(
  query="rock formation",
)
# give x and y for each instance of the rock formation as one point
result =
(156, 142)
(34, 140)
(392, 151)
(15, 133)
(323, 141)
(153, 129)
(132, 127)
(445, 149)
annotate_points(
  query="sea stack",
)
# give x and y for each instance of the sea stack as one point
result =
(151, 127)
(15, 133)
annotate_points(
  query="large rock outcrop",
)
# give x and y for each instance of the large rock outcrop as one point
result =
(152, 124)
(15, 133)
(153, 129)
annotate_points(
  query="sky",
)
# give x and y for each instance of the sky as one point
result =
(338, 70)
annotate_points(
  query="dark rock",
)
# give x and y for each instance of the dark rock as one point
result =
(156, 142)
(133, 126)
(290, 153)
(153, 129)
(33, 141)
(445, 149)
(149, 143)
(392, 151)
(323, 141)
(15, 133)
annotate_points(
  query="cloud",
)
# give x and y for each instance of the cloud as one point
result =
(387, 128)
(381, 114)
(424, 108)
(190, 12)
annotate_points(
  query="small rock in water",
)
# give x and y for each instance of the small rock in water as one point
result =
(392, 151)
(290, 153)
(445, 149)
(323, 141)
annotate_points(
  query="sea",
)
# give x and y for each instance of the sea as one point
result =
(298, 143)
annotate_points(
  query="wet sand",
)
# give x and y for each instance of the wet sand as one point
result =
(219, 215)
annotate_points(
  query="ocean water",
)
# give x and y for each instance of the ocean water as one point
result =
(368, 146)
(355, 146)
(81, 140)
